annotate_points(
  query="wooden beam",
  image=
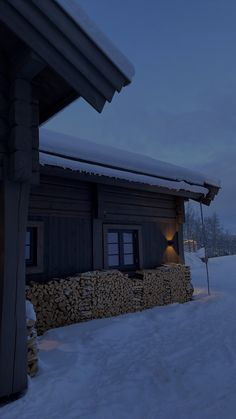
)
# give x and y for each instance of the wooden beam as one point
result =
(26, 64)
(23, 17)
(100, 179)
(14, 203)
(14, 198)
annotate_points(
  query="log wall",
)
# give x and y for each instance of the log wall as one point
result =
(98, 294)
(75, 213)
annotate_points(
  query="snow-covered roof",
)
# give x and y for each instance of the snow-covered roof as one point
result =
(63, 52)
(92, 158)
(76, 12)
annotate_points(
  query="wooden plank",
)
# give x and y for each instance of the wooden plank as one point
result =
(61, 191)
(13, 218)
(20, 138)
(55, 203)
(20, 339)
(180, 212)
(65, 45)
(79, 245)
(97, 244)
(154, 244)
(64, 182)
(71, 174)
(25, 64)
(132, 219)
(62, 198)
(20, 89)
(59, 213)
(181, 243)
(83, 43)
(20, 113)
(20, 166)
(140, 201)
(3, 128)
(39, 44)
(145, 193)
(122, 208)
(100, 202)
(137, 215)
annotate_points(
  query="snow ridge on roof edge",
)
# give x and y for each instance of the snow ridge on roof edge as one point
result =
(92, 169)
(76, 12)
(66, 146)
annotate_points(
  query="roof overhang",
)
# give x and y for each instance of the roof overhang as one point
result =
(74, 63)
(100, 163)
(206, 196)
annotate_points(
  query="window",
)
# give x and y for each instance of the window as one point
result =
(34, 247)
(122, 248)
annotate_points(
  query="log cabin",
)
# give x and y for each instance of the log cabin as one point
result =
(98, 207)
(50, 55)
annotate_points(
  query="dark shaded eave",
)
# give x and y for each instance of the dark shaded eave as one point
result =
(58, 171)
(213, 191)
(67, 51)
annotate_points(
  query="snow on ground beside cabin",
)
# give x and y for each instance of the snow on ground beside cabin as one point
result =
(169, 362)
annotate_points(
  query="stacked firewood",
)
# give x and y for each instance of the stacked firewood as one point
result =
(32, 348)
(180, 280)
(138, 292)
(156, 287)
(165, 285)
(113, 294)
(58, 302)
(97, 294)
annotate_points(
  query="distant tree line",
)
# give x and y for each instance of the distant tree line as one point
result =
(218, 241)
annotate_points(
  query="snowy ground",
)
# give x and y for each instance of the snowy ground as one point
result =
(175, 362)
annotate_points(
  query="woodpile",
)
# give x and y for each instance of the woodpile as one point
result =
(181, 287)
(113, 294)
(59, 302)
(32, 347)
(98, 294)
(165, 285)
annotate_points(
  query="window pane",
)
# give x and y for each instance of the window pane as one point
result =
(112, 237)
(113, 249)
(127, 237)
(128, 248)
(113, 261)
(27, 252)
(129, 259)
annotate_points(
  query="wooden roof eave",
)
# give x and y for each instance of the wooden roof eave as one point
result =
(48, 170)
(213, 191)
(48, 31)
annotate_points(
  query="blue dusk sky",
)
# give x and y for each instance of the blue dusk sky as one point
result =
(181, 105)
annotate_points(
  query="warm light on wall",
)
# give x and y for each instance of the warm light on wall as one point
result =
(169, 236)
(170, 255)
(169, 230)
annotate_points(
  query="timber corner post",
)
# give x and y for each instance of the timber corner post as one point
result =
(46, 55)
(20, 168)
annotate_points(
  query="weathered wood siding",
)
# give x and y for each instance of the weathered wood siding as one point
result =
(61, 197)
(132, 205)
(158, 215)
(65, 207)
(74, 213)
